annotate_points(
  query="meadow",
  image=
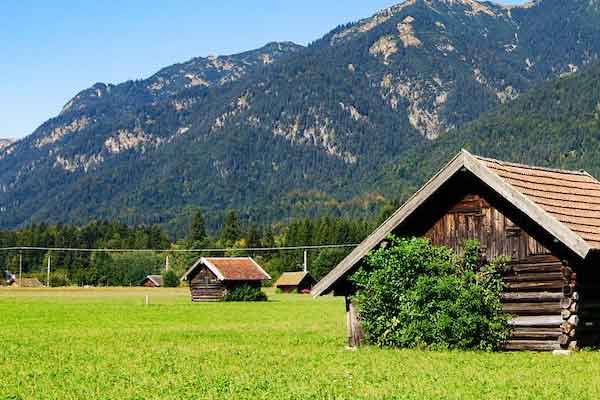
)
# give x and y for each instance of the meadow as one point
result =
(107, 344)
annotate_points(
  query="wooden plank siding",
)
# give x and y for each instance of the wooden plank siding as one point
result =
(205, 286)
(473, 218)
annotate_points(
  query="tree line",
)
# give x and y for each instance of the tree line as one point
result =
(101, 268)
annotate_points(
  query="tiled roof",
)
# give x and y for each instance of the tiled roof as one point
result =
(572, 197)
(239, 269)
(291, 278)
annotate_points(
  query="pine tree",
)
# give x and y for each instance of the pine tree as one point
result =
(197, 230)
(231, 229)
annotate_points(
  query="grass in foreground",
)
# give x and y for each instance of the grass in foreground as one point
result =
(106, 344)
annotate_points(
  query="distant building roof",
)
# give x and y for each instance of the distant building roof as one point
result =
(156, 279)
(291, 278)
(28, 282)
(231, 268)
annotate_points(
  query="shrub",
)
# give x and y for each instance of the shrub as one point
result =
(170, 279)
(59, 278)
(245, 293)
(414, 294)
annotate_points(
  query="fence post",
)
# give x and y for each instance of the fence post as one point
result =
(20, 268)
(48, 274)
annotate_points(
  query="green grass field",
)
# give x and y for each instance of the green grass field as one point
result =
(106, 344)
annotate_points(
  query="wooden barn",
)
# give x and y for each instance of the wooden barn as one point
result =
(547, 221)
(210, 278)
(295, 282)
(153, 281)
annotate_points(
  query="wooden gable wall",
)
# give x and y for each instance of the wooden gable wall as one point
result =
(473, 218)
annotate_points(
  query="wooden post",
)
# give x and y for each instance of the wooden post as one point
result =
(354, 327)
(48, 273)
(20, 268)
(167, 264)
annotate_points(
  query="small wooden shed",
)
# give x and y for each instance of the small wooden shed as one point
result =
(153, 281)
(295, 282)
(210, 277)
(546, 220)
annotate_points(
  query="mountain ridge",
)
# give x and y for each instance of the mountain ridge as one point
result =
(288, 130)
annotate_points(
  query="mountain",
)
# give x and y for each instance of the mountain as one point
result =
(5, 142)
(556, 124)
(287, 130)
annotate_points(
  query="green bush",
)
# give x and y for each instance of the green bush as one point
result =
(170, 279)
(59, 278)
(245, 293)
(414, 294)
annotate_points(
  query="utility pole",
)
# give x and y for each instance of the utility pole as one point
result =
(167, 264)
(305, 260)
(48, 274)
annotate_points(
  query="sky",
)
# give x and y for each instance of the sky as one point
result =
(51, 50)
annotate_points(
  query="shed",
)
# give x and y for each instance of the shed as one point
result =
(28, 283)
(546, 220)
(153, 281)
(299, 282)
(210, 277)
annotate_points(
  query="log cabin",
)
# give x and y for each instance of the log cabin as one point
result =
(295, 282)
(546, 220)
(210, 278)
(153, 281)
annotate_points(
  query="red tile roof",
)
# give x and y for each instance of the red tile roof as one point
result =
(239, 269)
(572, 197)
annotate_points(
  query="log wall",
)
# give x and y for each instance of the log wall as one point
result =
(204, 286)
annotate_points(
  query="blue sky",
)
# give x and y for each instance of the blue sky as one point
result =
(50, 50)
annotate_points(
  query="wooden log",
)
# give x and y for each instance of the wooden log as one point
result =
(539, 321)
(573, 320)
(539, 267)
(565, 314)
(565, 302)
(567, 328)
(532, 345)
(535, 333)
(530, 297)
(573, 345)
(549, 276)
(568, 290)
(534, 286)
(564, 340)
(531, 308)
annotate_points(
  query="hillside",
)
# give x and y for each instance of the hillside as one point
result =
(287, 130)
(556, 124)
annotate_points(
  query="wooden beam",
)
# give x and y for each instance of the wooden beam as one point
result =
(389, 225)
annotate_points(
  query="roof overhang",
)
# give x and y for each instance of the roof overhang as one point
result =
(467, 162)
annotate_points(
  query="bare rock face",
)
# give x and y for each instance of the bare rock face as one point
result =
(5, 143)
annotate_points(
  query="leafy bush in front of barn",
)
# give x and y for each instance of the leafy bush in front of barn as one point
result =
(245, 293)
(415, 294)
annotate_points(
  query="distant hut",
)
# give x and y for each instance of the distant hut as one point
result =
(153, 281)
(292, 282)
(546, 221)
(210, 278)
(28, 283)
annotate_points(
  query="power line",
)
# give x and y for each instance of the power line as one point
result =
(253, 249)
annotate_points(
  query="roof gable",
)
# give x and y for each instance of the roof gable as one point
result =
(502, 178)
(291, 278)
(231, 268)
